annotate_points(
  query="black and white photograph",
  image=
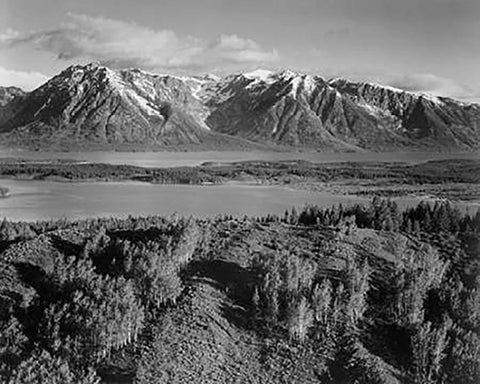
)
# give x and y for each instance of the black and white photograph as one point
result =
(239, 191)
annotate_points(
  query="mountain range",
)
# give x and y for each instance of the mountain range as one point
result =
(93, 106)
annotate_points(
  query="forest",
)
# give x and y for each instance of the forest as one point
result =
(435, 171)
(357, 294)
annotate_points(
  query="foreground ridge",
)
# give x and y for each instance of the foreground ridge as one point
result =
(364, 294)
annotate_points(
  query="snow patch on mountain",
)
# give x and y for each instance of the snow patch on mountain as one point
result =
(430, 97)
(310, 83)
(296, 83)
(141, 102)
(211, 77)
(387, 87)
(146, 86)
(371, 110)
(259, 74)
(288, 75)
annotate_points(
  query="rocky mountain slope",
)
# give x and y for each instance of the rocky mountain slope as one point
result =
(93, 104)
(96, 104)
(439, 119)
(7, 94)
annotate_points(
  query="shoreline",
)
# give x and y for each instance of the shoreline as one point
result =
(456, 179)
(156, 159)
(430, 192)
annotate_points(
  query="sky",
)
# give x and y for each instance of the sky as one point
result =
(418, 45)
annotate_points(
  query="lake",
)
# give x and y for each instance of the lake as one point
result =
(37, 200)
(41, 200)
(177, 159)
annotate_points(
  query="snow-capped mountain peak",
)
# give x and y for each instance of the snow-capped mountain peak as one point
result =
(99, 104)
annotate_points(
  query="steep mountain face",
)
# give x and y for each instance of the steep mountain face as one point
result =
(7, 96)
(94, 104)
(302, 110)
(297, 110)
(443, 121)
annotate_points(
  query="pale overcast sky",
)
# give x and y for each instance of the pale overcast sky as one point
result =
(425, 45)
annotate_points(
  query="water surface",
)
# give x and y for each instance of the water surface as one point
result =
(37, 200)
(175, 159)
(40, 200)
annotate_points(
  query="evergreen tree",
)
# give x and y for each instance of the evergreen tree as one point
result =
(300, 320)
(42, 368)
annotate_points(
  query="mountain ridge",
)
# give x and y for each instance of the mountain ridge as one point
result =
(94, 105)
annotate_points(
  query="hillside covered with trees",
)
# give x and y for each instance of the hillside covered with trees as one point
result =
(340, 295)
